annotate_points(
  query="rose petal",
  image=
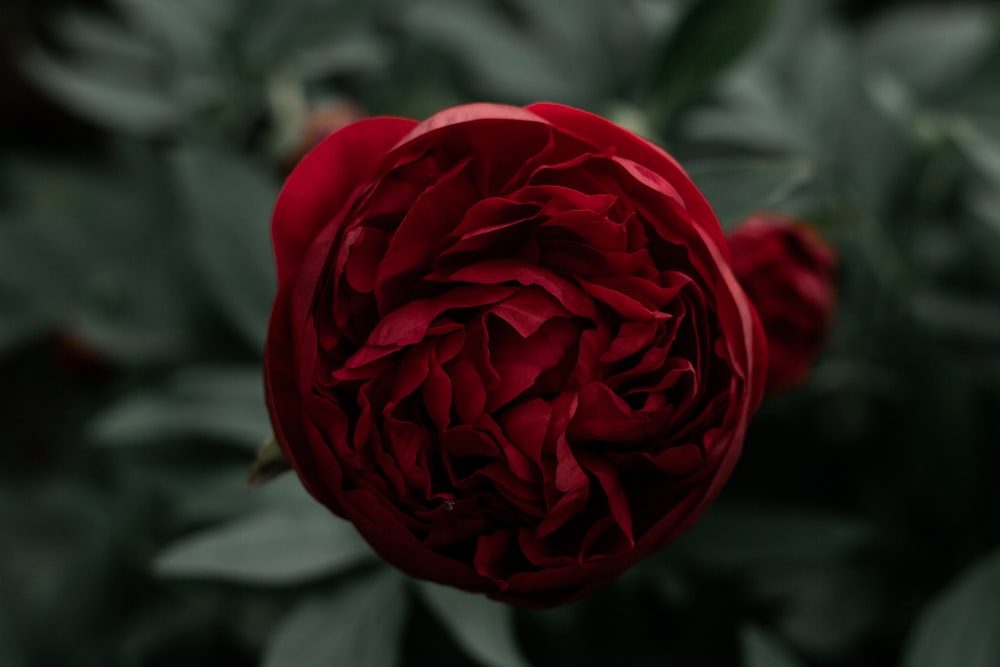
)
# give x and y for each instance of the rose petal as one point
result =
(608, 135)
(428, 221)
(437, 393)
(497, 272)
(526, 424)
(609, 479)
(470, 399)
(323, 182)
(527, 310)
(409, 323)
(604, 417)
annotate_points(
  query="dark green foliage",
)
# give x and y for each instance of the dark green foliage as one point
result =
(860, 527)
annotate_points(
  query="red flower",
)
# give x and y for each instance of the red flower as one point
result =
(789, 273)
(507, 345)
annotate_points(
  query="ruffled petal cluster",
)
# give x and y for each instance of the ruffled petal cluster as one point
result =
(507, 345)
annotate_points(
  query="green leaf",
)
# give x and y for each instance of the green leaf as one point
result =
(354, 52)
(57, 564)
(92, 35)
(359, 625)
(202, 495)
(737, 187)
(708, 38)
(754, 116)
(770, 103)
(930, 47)
(980, 145)
(598, 46)
(93, 250)
(269, 548)
(736, 538)
(276, 31)
(822, 609)
(228, 203)
(114, 102)
(188, 28)
(762, 650)
(501, 60)
(482, 627)
(958, 317)
(219, 403)
(960, 626)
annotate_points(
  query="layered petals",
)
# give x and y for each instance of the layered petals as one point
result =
(508, 345)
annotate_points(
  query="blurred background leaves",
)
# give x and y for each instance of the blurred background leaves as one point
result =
(143, 145)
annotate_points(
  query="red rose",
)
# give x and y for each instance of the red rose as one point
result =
(789, 273)
(507, 345)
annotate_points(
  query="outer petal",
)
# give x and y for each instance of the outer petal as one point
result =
(606, 134)
(289, 361)
(323, 182)
(465, 113)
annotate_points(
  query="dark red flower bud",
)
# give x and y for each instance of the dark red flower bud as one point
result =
(789, 272)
